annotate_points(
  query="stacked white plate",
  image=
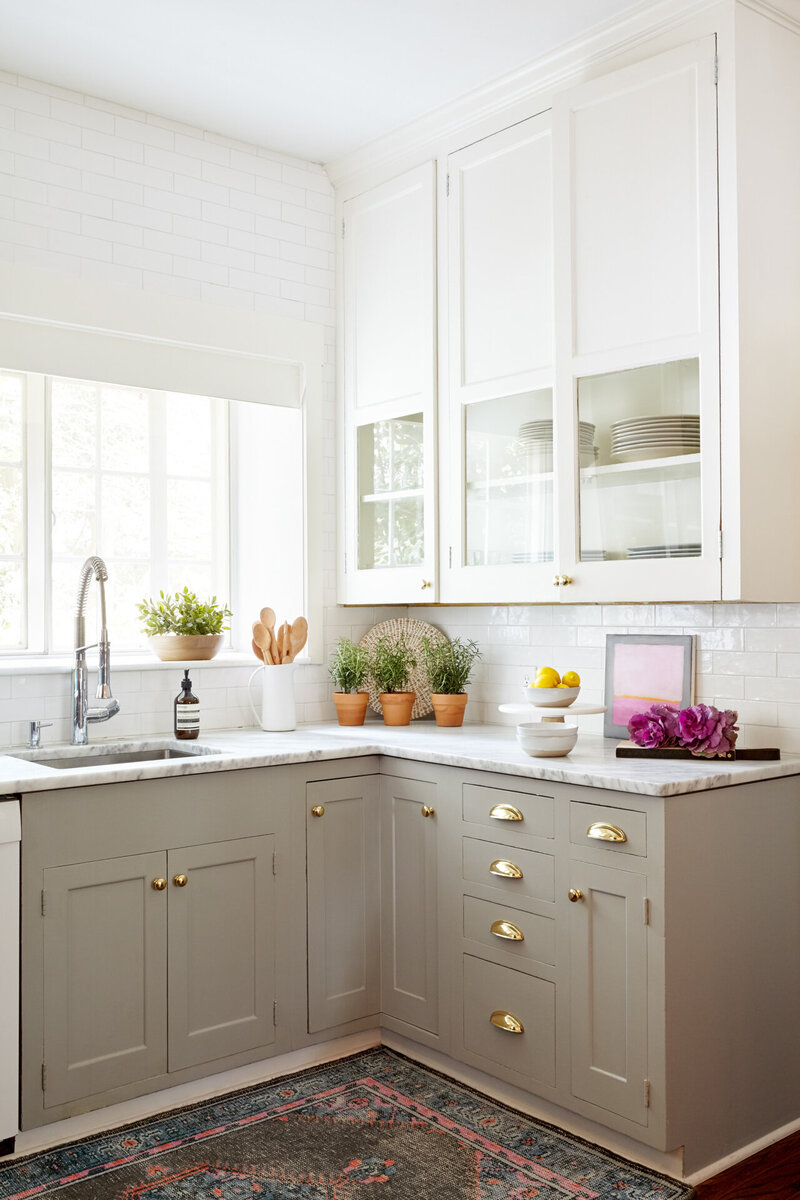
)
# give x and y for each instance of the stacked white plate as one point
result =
(535, 438)
(532, 556)
(641, 438)
(676, 550)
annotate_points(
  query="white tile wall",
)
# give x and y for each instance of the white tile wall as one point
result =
(92, 189)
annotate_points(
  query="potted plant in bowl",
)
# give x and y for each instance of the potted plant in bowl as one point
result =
(448, 666)
(390, 666)
(181, 628)
(348, 670)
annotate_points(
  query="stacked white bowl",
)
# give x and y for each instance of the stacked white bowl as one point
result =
(546, 739)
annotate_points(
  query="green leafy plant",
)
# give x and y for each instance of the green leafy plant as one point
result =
(182, 613)
(391, 664)
(349, 666)
(449, 664)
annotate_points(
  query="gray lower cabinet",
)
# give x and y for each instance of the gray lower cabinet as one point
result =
(409, 902)
(343, 884)
(154, 929)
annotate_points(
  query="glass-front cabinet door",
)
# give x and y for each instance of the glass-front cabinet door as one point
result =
(497, 511)
(389, 299)
(637, 332)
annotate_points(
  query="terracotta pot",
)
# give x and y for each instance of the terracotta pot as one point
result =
(185, 647)
(351, 707)
(449, 710)
(397, 707)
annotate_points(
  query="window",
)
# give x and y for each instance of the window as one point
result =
(148, 480)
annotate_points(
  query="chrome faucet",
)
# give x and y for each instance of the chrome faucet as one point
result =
(109, 707)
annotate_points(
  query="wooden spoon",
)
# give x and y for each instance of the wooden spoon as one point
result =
(262, 640)
(298, 636)
(283, 642)
(268, 617)
(259, 653)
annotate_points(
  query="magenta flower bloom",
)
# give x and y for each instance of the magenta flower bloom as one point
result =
(707, 732)
(656, 727)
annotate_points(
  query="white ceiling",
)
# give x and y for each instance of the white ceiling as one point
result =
(315, 78)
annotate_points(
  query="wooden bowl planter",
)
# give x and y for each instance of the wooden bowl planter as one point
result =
(185, 647)
(351, 707)
(449, 710)
(397, 707)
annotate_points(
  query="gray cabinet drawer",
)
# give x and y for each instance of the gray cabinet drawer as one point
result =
(483, 860)
(490, 989)
(599, 826)
(527, 936)
(503, 810)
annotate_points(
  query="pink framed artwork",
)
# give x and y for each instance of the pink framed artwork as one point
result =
(645, 669)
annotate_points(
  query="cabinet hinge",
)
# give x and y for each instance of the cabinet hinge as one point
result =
(716, 69)
(342, 228)
(275, 1013)
(720, 543)
(647, 1093)
(274, 862)
(447, 185)
(44, 1078)
(44, 903)
(647, 910)
(450, 558)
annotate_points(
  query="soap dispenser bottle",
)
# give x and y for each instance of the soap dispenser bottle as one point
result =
(187, 711)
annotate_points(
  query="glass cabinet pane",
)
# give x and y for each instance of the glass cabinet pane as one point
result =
(640, 496)
(391, 493)
(508, 476)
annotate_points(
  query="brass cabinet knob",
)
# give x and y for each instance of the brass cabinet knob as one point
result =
(556, 581)
(606, 833)
(180, 880)
(427, 811)
(318, 810)
(506, 1021)
(426, 583)
(507, 930)
(508, 870)
(505, 812)
(158, 885)
(575, 894)
(562, 580)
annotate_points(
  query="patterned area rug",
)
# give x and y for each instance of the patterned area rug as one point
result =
(372, 1127)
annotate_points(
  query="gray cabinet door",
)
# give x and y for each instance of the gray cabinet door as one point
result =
(221, 949)
(409, 903)
(343, 880)
(608, 989)
(105, 975)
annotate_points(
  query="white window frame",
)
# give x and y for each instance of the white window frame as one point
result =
(57, 326)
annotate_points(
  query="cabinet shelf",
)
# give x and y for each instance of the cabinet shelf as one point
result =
(677, 465)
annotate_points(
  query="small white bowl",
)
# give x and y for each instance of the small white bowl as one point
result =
(546, 740)
(551, 697)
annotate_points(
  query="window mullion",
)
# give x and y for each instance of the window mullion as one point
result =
(37, 513)
(159, 567)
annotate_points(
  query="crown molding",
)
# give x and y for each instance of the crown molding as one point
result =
(538, 78)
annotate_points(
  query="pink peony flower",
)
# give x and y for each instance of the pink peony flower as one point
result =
(656, 727)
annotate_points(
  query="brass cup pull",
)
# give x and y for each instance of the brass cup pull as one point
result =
(318, 810)
(507, 930)
(427, 811)
(180, 880)
(606, 833)
(506, 869)
(506, 1021)
(158, 885)
(505, 812)
(575, 894)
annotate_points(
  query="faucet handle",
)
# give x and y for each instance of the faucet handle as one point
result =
(35, 733)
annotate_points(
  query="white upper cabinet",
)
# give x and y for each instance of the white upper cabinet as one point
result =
(497, 510)
(637, 346)
(389, 298)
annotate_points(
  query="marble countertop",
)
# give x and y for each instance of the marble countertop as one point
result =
(484, 747)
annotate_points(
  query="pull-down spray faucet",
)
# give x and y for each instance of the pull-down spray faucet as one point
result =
(81, 713)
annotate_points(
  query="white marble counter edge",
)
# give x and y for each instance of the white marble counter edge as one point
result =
(489, 748)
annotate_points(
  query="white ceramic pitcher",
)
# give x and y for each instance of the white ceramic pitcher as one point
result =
(278, 713)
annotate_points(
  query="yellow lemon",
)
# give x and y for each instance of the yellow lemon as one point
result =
(571, 679)
(563, 685)
(547, 677)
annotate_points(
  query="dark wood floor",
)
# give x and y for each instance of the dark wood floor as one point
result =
(772, 1174)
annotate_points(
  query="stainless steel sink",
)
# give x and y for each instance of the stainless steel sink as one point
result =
(100, 756)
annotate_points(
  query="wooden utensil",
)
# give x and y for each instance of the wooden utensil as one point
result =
(259, 653)
(262, 640)
(283, 642)
(298, 636)
(268, 617)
